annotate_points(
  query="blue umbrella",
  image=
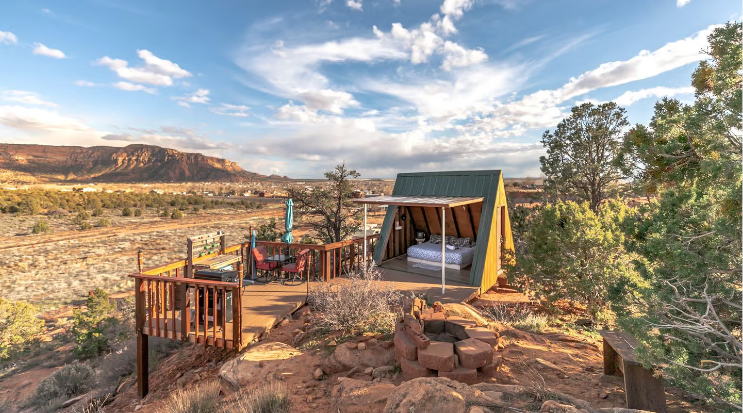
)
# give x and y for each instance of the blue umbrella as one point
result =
(287, 238)
(252, 247)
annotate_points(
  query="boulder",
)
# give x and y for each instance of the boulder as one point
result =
(551, 406)
(489, 370)
(318, 374)
(461, 374)
(256, 363)
(361, 346)
(344, 359)
(479, 409)
(473, 353)
(382, 371)
(361, 396)
(434, 394)
(411, 369)
(437, 356)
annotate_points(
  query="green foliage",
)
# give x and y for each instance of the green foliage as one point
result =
(103, 222)
(81, 218)
(86, 226)
(177, 214)
(337, 216)
(69, 381)
(126, 212)
(268, 231)
(581, 153)
(97, 212)
(138, 212)
(574, 254)
(689, 239)
(91, 328)
(20, 325)
(40, 227)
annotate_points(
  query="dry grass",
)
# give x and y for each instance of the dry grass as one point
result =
(520, 316)
(271, 397)
(200, 399)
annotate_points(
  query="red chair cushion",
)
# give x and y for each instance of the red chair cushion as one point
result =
(289, 268)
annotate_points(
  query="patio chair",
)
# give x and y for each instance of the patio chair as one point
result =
(296, 268)
(260, 254)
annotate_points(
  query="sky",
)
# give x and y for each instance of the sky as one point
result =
(296, 87)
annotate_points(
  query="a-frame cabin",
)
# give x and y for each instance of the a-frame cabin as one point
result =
(470, 204)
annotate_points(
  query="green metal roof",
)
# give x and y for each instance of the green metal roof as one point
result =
(450, 184)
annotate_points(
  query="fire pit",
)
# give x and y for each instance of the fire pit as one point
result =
(429, 343)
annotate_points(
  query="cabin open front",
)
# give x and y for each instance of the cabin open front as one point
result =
(450, 225)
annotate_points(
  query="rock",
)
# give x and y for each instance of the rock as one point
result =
(124, 385)
(524, 336)
(368, 371)
(495, 395)
(479, 409)
(298, 338)
(473, 353)
(361, 346)
(341, 360)
(482, 334)
(461, 374)
(352, 346)
(73, 400)
(373, 342)
(411, 369)
(456, 326)
(296, 331)
(361, 396)
(388, 344)
(332, 343)
(318, 374)
(187, 378)
(344, 359)
(489, 370)
(383, 371)
(465, 311)
(303, 311)
(613, 380)
(335, 391)
(549, 365)
(137, 407)
(434, 394)
(256, 363)
(513, 389)
(424, 396)
(438, 356)
(404, 347)
(551, 406)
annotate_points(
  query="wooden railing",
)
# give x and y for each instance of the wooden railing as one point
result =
(172, 306)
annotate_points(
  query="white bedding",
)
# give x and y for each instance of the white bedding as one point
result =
(432, 252)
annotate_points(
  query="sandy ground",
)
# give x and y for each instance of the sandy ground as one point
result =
(59, 268)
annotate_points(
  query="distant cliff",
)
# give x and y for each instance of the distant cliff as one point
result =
(133, 163)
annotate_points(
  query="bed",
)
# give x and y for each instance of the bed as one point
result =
(428, 253)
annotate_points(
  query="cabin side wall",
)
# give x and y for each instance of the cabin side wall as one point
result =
(500, 227)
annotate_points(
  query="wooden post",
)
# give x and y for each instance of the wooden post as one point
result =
(610, 360)
(222, 242)
(236, 317)
(189, 258)
(143, 386)
(643, 390)
(140, 260)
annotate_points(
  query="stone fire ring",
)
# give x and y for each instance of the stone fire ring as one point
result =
(453, 347)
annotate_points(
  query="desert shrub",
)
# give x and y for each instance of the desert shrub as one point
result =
(359, 303)
(92, 328)
(271, 397)
(137, 212)
(200, 399)
(519, 316)
(126, 212)
(86, 226)
(81, 218)
(69, 381)
(103, 222)
(177, 214)
(165, 213)
(19, 326)
(41, 227)
(98, 212)
(268, 231)
(576, 255)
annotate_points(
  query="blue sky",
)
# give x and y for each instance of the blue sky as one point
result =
(294, 87)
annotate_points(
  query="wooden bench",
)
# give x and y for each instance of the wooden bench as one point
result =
(643, 390)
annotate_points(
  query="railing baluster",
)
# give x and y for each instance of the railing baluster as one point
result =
(206, 315)
(224, 317)
(214, 314)
(198, 316)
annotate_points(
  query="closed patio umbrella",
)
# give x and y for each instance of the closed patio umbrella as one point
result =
(252, 247)
(287, 238)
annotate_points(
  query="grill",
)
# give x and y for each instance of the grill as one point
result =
(224, 300)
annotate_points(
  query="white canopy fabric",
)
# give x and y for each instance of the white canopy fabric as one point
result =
(422, 201)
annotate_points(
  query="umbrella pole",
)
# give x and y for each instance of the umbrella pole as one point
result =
(365, 262)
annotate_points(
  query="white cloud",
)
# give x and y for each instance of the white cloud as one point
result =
(354, 4)
(42, 50)
(458, 56)
(200, 96)
(332, 101)
(156, 71)
(25, 97)
(85, 83)
(628, 98)
(20, 117)
(682, 3)
(7, 38)
(240, 111)
(168, 137)
(132, 87)
(456, 8)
